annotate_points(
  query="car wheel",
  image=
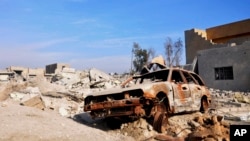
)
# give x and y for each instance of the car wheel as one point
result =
(160, 122)
(204, 105)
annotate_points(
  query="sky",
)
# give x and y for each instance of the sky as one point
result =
(100, 33)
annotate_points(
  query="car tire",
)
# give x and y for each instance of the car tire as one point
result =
(160, 122)
(204, 105)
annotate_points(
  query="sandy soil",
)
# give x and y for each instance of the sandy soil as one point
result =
(26, 123)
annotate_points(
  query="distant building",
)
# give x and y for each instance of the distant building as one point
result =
(221, 55)
(26, 73)
(6, 75)
(55, 68)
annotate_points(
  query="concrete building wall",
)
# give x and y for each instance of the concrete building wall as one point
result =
(238, 57)
(57, 67)
(24, 71)
(60, 67)
(214, 37)
(5, 75)
(37, 72)
(27, 72)
(223, 33)
(195, 40)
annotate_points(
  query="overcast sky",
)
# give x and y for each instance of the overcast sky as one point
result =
(100, 33)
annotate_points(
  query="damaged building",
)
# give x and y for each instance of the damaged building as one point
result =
(220, 55)
(26, 73)
(6, 75)
(56, 67)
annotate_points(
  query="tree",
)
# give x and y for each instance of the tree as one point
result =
(178, 45)
(173, 52)
(151, 54)
(140, 57)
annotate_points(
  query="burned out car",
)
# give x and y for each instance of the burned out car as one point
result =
(156, 95)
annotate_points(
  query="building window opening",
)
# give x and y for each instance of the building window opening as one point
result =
(18, 72)
(224, 73)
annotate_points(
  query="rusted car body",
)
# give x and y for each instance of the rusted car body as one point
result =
(157, 94)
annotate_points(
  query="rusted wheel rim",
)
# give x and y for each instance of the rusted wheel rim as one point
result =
(160, 122)
(204, 105)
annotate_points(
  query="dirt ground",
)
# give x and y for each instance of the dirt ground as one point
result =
(30, 124)
(19, 123)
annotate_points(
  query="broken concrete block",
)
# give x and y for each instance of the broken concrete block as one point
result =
(35, 101)
(97, 75)
(108, 85)
(17, 96)
(194, 124)
(63, 111)
(69, 70)
(141, 123)
(32, 90)
(241, 98)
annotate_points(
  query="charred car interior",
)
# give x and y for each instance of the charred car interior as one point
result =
(155, 94)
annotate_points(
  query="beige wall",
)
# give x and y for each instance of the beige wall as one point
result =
(17, 68)
(219, 36)
(26, 72)
(37, 71)
(223, 33)
(195, 39)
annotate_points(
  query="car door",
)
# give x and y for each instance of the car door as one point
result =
(195, 91)
(181, 91)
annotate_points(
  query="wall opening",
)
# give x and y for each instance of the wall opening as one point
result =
(224, 73)
(19, 72)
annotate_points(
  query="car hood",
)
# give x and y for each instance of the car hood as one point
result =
(120, 90)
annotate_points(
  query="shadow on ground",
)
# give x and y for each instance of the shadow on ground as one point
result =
(105, 124)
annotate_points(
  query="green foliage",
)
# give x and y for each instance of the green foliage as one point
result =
(140, 57)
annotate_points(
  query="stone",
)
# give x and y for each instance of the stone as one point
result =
(69, 70)
(97, 75)
(17, 96)
(193, 124)
(33, 90)
(63, 111)
(150, 128)
(35, 101)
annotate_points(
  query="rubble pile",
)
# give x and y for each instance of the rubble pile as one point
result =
(64, 93)
(195, 126)
(85, 82)
(140, 129)
(232, 105)
(211, 128)
(231, 96)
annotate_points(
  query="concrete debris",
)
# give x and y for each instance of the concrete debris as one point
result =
(231, 105)
(17, 96)
(93, 78)
(211, 129)
(31, 90)
(97, 75)
(240, 97)
(63, 111)
(194, 124)
(69, 70)
(140, 129)
(35, 101)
